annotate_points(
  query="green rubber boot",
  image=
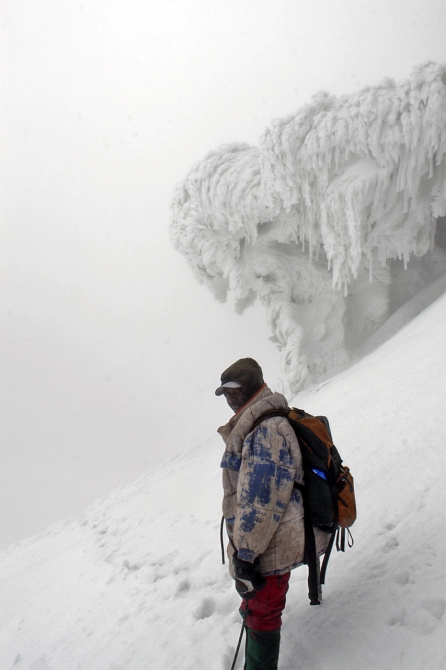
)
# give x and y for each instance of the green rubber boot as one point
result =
(262, 649)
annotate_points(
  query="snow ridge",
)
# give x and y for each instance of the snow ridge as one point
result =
(312, 221)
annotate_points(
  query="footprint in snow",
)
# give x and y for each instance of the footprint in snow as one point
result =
(131, 566)
(396, 617)
(387, 528)
(435, 606)
(390, 544)
(183, 588)
(378, 569)
(402, 577)
(204, 609)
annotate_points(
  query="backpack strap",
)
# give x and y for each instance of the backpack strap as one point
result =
(269, 415)
(327, 553)
(310, 556)
(222, 525)
(340, 539)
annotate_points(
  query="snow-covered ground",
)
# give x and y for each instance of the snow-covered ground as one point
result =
(136, 581)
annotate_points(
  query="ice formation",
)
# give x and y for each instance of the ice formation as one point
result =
(321, 220)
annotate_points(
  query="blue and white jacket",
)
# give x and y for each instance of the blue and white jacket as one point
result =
(263, 511)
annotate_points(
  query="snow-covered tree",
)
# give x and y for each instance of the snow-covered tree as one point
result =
(321, 220)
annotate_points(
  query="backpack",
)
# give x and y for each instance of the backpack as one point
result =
(328, 494)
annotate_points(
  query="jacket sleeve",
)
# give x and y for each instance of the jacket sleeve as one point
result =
(264, 488)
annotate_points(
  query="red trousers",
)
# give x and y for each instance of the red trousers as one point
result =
(264, 610)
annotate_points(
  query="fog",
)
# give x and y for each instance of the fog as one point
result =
(110, 349)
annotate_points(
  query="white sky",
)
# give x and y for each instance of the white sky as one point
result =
(106, 105)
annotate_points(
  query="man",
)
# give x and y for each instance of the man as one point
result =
(262, 507)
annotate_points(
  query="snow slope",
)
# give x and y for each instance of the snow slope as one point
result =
(136, 581)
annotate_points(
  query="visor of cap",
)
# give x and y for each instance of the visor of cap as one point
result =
(227, 385)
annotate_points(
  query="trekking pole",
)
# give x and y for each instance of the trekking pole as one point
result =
(238, 645)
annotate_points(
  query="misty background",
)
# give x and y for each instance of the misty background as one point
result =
(110, 350)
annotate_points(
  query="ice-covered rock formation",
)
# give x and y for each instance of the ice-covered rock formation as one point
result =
(330, 222)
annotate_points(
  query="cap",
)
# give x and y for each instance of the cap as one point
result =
(227, 385)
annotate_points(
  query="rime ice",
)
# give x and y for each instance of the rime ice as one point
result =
(325, 219)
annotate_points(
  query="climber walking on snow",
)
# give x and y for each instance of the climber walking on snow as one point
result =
(262, 507)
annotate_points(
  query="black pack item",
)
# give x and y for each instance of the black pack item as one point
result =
(328, 492)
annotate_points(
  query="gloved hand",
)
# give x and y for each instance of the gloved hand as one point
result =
(248, 579)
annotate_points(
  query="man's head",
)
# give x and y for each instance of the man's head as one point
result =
(240, 381)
